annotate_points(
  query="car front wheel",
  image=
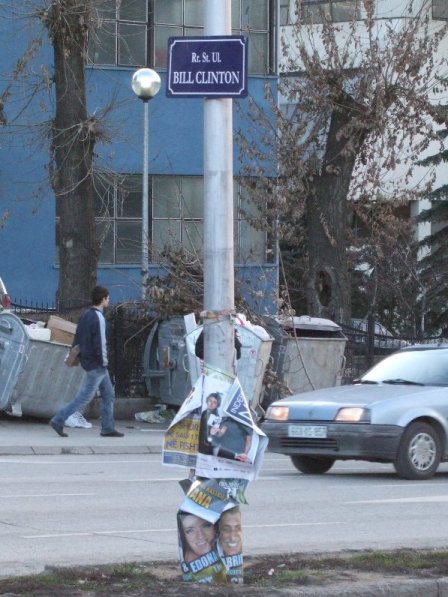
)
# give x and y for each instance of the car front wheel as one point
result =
(312, 465)
(418, 453)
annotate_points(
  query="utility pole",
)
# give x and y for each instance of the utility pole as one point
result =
(218, 211)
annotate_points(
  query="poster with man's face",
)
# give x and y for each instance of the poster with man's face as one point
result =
(230, 543)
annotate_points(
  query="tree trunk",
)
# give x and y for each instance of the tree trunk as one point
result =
(73, 138)
(328, 281)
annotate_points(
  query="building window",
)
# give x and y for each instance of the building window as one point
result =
(118, 219)
(175, 219)
(174, 18)
(118, 216)
(251, 243)
(136, 32)
(285, 14)
(177, 214)
(185, 17)
(316, 11)
(120, 37)
(251, 18)
(439, 9)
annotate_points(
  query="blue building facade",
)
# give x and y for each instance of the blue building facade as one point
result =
(129, 34)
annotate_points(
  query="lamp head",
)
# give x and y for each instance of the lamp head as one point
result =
(145, 83)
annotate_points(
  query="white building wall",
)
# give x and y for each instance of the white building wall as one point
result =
(389, 13)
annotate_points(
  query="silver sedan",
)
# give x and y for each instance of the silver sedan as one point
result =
(397, 412)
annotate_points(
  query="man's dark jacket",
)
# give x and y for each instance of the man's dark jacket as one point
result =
(88, 336)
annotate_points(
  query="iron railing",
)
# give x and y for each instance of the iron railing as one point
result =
(129, 326)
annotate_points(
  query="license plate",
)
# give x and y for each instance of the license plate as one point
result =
(317, 431)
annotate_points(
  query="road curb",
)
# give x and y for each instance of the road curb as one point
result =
(76, 450)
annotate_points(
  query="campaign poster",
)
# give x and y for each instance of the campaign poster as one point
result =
(216, 418)
(230, 544)
(198, 550)
(230, 443)
(208, 498)
(180, 444)
(211, 553)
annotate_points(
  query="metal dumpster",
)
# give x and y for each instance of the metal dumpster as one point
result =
(250, 368)
(164, 362)
(171, 367)
(33, 377)
(307, 353)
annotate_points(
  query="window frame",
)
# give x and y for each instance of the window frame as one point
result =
(158, 31)
(330, 4)
(116, 23)
(112, 219)
(437, 5)
(109, 217)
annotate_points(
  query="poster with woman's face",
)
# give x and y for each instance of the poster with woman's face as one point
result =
(199, 557)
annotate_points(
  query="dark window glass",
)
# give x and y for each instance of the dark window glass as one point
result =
(105, 235)
(129, 241)
(120, 37)
(254, 14)
(129, 197)
(194, 13)
(440, 9)
(316, 11)
(285, 18)
(133, 10)
(106, 9)
(102, 48)
(176, 219)
(131, 44)
(344, 11)
(118, 211)
(136, 32)
(169, 12)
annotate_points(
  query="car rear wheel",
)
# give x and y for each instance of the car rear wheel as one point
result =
(418, 453)
(312, 465)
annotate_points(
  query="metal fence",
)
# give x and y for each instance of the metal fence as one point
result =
(364, 348)
(128, 331)
(129, 327)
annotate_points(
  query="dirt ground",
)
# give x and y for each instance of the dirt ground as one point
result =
(262, 575)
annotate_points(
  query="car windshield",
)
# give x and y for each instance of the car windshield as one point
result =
(427, 367)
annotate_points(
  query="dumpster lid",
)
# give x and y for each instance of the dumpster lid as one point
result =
(305, 322)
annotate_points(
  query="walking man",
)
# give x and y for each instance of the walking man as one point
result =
(91, 338)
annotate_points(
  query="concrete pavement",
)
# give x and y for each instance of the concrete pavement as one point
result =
(26, 436)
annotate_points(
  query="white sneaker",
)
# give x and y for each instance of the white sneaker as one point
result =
(77, 420)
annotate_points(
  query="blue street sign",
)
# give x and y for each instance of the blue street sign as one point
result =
(214, 66)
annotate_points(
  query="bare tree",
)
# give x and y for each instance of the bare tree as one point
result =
(357, 101)
(73, 135)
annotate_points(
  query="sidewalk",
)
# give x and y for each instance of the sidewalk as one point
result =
(26, 436)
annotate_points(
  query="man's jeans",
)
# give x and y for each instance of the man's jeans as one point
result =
(96, 379)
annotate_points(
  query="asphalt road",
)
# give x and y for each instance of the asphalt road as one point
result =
(76, 509)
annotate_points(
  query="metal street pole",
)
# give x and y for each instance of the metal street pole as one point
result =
(218, 211)
(145, 84)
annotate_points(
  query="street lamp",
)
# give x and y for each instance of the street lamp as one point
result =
(145, 85)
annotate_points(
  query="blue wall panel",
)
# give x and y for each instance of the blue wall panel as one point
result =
(27, 233)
